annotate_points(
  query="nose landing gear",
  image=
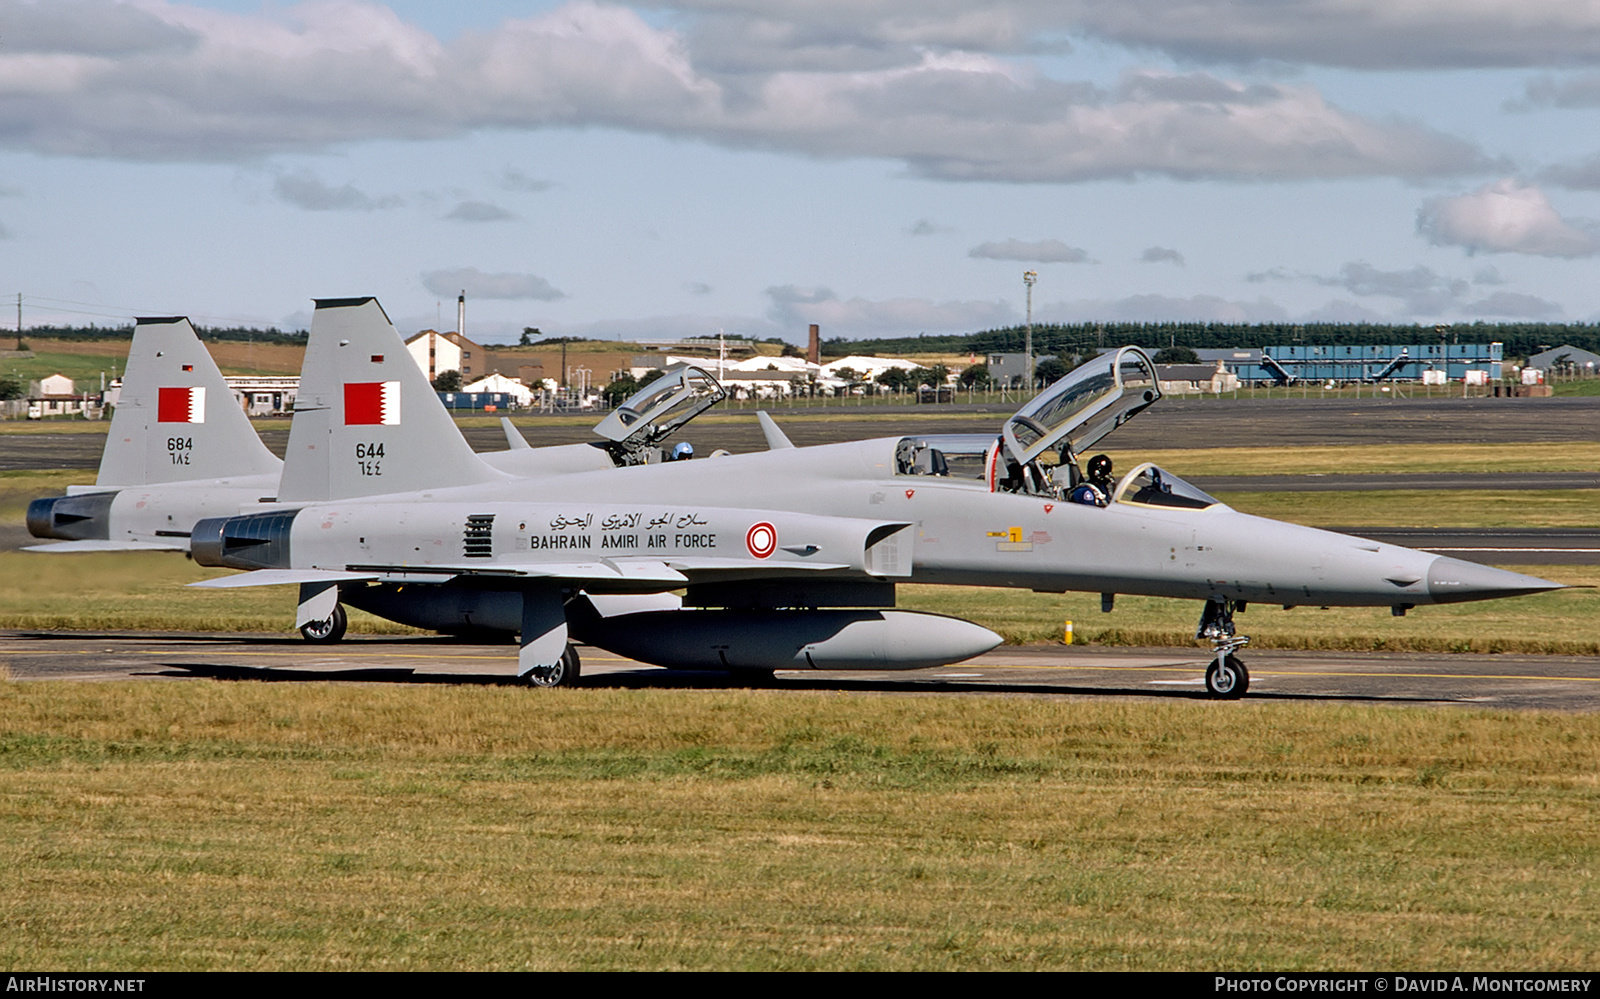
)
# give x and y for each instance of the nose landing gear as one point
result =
(1226, 677)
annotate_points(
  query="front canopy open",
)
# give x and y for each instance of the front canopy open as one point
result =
(1092, 400)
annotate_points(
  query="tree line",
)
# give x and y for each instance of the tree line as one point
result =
(241, 333)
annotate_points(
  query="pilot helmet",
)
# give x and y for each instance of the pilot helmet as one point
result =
(682, 450)
(1100, 467)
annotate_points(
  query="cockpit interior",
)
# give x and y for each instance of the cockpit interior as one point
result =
(1039, 451)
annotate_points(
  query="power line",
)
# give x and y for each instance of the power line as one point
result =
(130, 313)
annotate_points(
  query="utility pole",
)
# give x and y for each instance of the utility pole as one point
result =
(1028, 278)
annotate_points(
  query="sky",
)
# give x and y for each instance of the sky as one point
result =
(878, 167)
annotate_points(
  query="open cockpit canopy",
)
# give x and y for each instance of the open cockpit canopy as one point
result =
(1148, 485)
(1093, 399)
(655, 412)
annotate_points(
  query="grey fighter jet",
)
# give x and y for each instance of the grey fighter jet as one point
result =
(178, 450)
(787, 558)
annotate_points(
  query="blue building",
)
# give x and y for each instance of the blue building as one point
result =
(1354, 362)
(478, 401)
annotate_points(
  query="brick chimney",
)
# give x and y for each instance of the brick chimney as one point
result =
(814, 347)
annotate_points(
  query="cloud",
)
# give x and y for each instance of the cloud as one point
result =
(1342, 311)
(920, 85)
(1581, 176)
(926, 227)
(1512, 305)
(697, 288)
(1413, 34)
(90, 28)
(1581, 91)
(512, 179)
(969, 118)
(1271, 274)
(669, 326)
(1164, 308)
(1420, 291)
(477, 284)
(747, 35)
(312, 75)
(303, 189)
(479, 211)
(1423, 291)
(1044, 251)
(1505, 217)
(1160, 254)
(794, 307)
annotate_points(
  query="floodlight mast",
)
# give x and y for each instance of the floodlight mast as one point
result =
(1028, 278)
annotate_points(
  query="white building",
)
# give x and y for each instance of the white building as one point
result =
(264, 395)
(500, 383)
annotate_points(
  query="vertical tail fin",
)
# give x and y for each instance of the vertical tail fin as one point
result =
(366, 420)
(176, 420)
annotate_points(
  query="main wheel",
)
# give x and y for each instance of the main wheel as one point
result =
(330, 629)
(562, 674)
(1227, 680)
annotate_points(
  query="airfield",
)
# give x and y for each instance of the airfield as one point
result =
(211, 799)
(1505, 681)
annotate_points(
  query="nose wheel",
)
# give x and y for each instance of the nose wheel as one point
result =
(1226, 677)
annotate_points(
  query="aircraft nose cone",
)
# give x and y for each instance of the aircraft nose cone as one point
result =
(1454, 581)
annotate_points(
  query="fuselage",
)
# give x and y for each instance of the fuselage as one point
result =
(959, 532)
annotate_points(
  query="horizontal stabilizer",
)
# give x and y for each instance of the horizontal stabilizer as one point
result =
(514, 439)
(777, 440)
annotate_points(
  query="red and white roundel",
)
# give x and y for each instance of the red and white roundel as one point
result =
(761, 539)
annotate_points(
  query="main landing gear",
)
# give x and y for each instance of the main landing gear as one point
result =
(330, 629)
(1226, 677)
(563, 674)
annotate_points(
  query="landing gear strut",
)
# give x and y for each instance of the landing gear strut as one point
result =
(1226, 677)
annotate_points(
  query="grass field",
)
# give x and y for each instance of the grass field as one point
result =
(206, 826)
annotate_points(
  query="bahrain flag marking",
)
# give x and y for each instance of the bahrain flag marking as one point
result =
(181, 405)
(367, 403)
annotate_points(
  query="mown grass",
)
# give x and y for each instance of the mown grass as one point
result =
(203, 826)
(1426, 507)
(18, 489)
(1364, 458)
(144, 591)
